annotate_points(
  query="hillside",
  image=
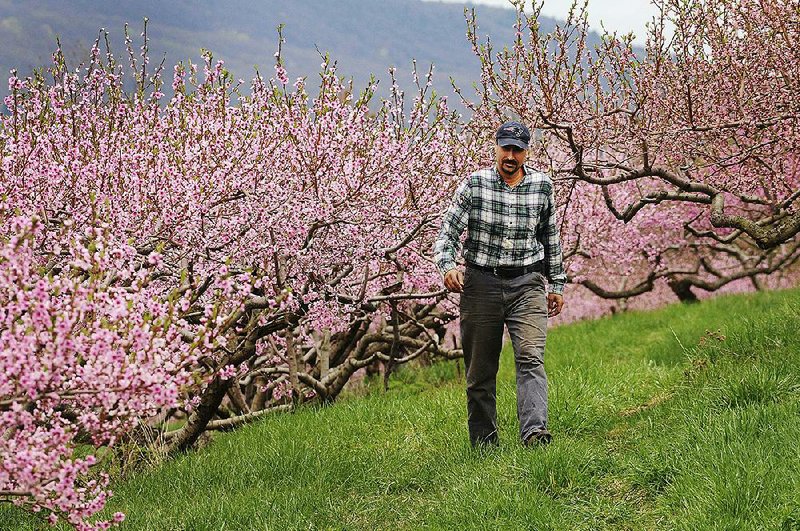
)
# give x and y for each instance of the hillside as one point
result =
(682, 418)
(364, 37)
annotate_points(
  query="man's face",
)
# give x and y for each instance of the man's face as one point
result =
(509, 159)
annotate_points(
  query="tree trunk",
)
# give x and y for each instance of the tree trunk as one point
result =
(294, 366)
(237, 399)
(260, 398)
(389, 366)
(683, 290)
(324, 355)
(201, 416)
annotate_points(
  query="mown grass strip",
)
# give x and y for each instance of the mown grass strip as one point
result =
(684, 418)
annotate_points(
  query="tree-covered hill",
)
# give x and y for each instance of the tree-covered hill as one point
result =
(363, 36)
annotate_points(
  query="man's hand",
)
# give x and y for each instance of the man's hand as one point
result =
(454, 280)
(554, 304)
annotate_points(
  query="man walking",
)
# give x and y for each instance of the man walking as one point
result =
(512, 244)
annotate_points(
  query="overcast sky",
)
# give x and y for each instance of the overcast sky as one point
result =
(616, 15)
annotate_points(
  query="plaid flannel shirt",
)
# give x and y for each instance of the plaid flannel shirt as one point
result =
(506, 227)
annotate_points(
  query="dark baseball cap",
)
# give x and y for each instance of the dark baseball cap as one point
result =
(513, 134)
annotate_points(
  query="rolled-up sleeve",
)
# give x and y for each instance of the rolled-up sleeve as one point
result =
(455, 219)
(548, 235)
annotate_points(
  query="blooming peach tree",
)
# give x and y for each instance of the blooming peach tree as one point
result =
(689, 145)
(211, 256)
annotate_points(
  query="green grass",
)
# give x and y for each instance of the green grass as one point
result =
(685, 418)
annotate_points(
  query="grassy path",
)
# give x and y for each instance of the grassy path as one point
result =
(660, 422)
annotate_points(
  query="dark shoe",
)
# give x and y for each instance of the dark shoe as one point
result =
(538, 438)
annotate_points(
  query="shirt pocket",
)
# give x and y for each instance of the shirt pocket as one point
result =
(532, 222)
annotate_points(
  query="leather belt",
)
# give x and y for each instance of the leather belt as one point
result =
(509, 272)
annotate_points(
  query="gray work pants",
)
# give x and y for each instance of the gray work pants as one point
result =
(487, 303)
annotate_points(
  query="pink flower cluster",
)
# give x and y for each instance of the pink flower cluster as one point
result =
(82, 361)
